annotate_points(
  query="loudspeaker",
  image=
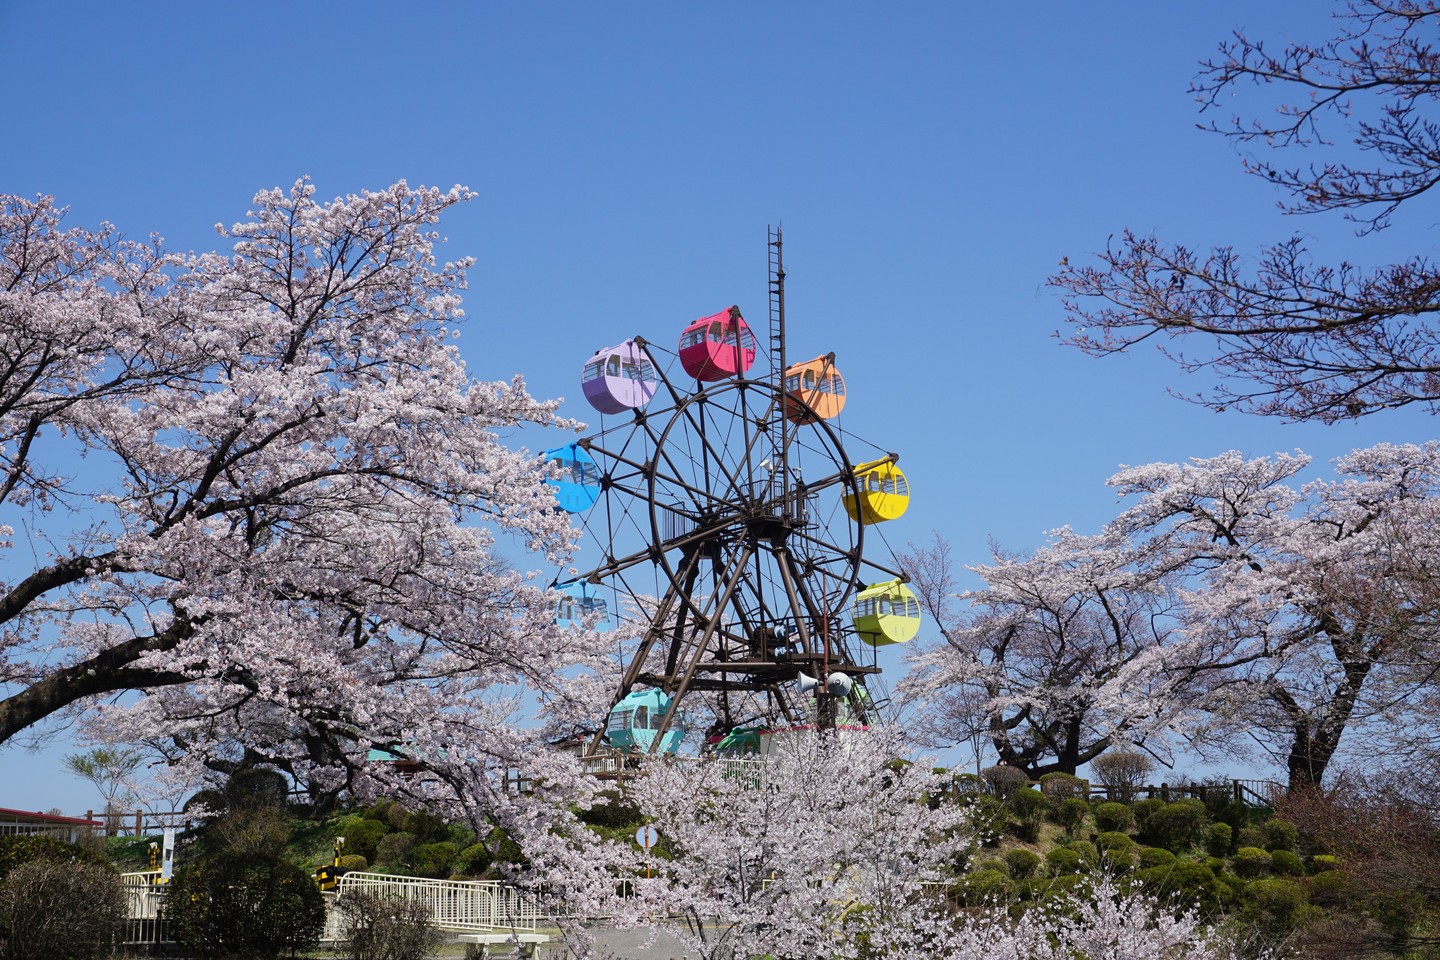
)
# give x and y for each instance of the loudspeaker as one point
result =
(839, 685)
(806, 683)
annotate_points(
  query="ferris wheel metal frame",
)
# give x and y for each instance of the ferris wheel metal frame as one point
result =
(755, 568)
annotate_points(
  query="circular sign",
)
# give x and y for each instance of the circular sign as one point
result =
(647, 837)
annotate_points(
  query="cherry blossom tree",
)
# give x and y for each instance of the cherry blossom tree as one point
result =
(831, 848)
(1224, 601)
(1063, 654)
(262, 495)
(1287, 335)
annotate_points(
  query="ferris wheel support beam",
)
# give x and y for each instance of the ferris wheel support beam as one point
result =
(698, 647)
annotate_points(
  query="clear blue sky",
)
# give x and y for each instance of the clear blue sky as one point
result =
(931, 163)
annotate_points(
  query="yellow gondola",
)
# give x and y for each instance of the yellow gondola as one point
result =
(886, 613)
(818, 386)
(884, 492)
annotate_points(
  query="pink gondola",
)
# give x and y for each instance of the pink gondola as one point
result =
(618, 378)
(716, 347)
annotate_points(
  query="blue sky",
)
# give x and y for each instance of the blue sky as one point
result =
(931, 164)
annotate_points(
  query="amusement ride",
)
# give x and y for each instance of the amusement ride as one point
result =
(732, 523)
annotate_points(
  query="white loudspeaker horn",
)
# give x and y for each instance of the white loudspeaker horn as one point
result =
(839, 685)
(806, 683)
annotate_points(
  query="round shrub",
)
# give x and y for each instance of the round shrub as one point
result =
(1250, 837)
(394, 849)
(353, 861)
(1251, 862)
(969, 784)
(241, 905)
(51, 909)
(1283, 863)
(1005, 781)
(1143, 809)
(1184, 882)
(1322, 862)
(1072, 813)
(998, 864)
(1022, 863)
(1281, 835)
(1030, 807)
(1217, 839)
(984, 887)
(433, 859)
(990, 818)
(1089, 853)
(1276, 903)
(473, 860)
(1155, 857)
(1329, 889)
(1043, 889)
(1063, 786)
(362, 836)
(1063, 860)
(1174, 826)
(1115, 848)
(1122, 772)
(1111, 817)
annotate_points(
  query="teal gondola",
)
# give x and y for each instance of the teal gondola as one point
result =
(634, 724)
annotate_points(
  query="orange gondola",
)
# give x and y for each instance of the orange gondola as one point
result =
(818, 387)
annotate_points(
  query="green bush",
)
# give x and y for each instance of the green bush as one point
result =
(612, 809)
(1022, 863)
(1322, 862)
(1329, 889)
(984, 887)
(1217, 839)
(1277, 904)
(1286, 864)
(1071, 813)
(1251, 862)
(1144, 809)
(15, 850)
(1059, 787)
(473, 860)
(1175, 826)
(1250, 837)
(1005, 781)
(1063, 860)
(1155, 857)
(362, 835)
(394, 849)
(1030, 807)
(969, 784)
(434, 859)
(353, 861)
(237, 905)
(381, 928)
(990, 817)
(1112, 817)
(1116, 848)
(1089, 853)
(998, 864)
(53, 909)
(1184, 882)
(1281, 835)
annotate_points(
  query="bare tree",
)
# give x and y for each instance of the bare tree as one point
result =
(1288, 336)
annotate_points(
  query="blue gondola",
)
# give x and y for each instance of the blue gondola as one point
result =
(634, 724)
(578, 486)
(581, 606)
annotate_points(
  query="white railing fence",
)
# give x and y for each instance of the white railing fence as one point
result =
(463, 906)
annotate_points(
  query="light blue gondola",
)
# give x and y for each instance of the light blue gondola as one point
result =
(578, 486)
(581, 606)
(634, 724)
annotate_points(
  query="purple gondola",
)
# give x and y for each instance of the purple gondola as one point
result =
(618, 378)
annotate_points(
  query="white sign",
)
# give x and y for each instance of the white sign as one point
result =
(167, 856)
(647, 837)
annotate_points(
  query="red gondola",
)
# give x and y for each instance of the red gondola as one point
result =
(716, 347)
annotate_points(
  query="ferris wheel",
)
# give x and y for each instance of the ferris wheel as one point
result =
(733, 521)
